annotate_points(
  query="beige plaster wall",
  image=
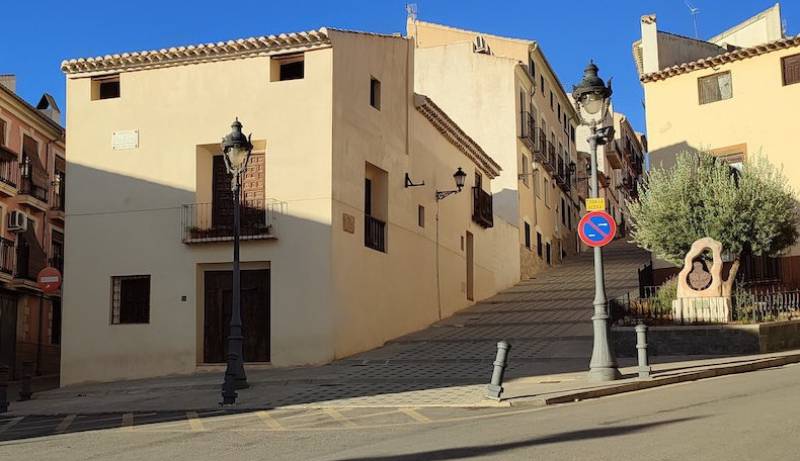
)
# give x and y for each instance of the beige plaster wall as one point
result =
(124, 214)
(758, 115)
(379, 296)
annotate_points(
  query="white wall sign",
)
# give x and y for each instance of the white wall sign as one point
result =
(123, 140)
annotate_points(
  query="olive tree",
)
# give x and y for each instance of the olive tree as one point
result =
(752, 209)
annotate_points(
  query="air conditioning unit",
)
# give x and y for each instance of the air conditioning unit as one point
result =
(17, 221)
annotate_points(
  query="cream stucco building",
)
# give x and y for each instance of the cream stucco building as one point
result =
(505, 94)
(731, 95)
(344, 246)
(620, 164)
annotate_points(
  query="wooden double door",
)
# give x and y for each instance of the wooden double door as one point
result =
(255, 308)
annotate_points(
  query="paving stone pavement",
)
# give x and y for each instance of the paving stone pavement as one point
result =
(547, 320)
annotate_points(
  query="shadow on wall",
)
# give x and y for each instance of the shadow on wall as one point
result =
(665, 156)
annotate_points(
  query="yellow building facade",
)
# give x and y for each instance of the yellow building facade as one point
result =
(505, 94)
(731, 96)
(345, 244)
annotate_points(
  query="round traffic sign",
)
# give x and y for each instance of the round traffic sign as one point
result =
(597, 228)
(49, 280)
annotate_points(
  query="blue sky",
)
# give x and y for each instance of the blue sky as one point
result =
(44, 32)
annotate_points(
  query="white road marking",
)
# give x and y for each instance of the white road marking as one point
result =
(334, 413)
(65, 423)
(271, 422)
(11, 423)
(194, 421)
(415, 415)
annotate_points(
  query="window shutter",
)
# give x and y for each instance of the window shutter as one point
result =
(791, 69)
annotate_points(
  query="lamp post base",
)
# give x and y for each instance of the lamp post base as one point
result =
(601, 374)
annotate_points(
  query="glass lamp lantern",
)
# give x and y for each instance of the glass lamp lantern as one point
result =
(592, 96)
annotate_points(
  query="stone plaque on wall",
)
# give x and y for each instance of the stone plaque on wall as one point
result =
(349, 223)
(126, 139)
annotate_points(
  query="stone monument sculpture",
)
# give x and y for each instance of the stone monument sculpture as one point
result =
(703, 295)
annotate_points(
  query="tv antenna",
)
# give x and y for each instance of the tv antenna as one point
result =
(411, 11)
(694, 12)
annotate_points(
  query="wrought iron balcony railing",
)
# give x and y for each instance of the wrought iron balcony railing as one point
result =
(36, 191)
(203, 222)
(6, 256)
(528, 129)
(482, 207)
(9, 172)
(550, 163)
(374, 233)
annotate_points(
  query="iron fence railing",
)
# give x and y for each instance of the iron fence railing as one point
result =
(747, 305)
(482, 207)
(201, 222)
(374, 233)
(758, 305)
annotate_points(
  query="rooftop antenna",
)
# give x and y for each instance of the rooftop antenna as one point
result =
(411, 11)
(694, 12)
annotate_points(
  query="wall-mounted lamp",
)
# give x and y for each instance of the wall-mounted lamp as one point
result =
(459, 177)
(410, 183)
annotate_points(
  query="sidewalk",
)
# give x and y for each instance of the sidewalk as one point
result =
(298, 389)
(546, 320)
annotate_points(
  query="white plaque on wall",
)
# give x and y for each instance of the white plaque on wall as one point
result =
(126, 139)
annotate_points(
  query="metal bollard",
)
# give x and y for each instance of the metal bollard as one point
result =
(641, 348)
(495, 388)
(4, 370)
(25, 392)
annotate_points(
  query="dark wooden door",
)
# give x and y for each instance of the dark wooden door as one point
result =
(8, 330)
(252, 196)
(255, 315)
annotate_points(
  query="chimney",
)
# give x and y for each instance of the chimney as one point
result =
(47, 106)
(9, 81)
(649, 44)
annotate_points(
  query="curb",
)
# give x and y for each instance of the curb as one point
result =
(570, 397)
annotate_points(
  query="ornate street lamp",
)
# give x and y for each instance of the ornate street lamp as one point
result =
(236, 148)
(459, 176)
(592, 100)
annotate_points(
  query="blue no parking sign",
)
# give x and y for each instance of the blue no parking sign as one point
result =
(597, 228)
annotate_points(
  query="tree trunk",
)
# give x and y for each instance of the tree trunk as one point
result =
(727, 285)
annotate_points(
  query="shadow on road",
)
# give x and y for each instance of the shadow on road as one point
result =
(485, 450)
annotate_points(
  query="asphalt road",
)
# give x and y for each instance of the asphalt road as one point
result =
(751, 416)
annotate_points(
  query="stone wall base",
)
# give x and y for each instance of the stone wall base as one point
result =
(731, 339)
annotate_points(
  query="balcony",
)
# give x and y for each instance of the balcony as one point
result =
(541, 147)
(57, 261)
(613, 155)
(6, 258)
(482, 208)
(22, 267)
(203, 223)
(57, 201)
(528, 130)
(33, 195)
(560, 175)
(9, 177)
(550, 161)
(374, 233)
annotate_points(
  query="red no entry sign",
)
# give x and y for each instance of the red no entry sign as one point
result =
(49, 280)
(597, 228)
